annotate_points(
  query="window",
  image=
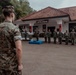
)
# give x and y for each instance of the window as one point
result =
(44, 28)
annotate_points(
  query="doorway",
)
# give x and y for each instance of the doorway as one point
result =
(72, 26)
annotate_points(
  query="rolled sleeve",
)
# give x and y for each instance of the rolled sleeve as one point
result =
(17, 34)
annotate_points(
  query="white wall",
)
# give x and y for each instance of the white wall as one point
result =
(52, 22)
(65, 27)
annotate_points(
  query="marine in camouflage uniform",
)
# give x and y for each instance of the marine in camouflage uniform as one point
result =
(73, 36)
(36, 34)
(8, 60)
(55, 36)
(49, 36)
(26, 35)
(60, 36)
(9, 33)
(45, 36)
(66, 36)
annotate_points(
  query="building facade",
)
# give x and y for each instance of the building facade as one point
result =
(49, 18)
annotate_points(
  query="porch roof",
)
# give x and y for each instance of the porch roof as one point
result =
(71, 11)
(48, 12)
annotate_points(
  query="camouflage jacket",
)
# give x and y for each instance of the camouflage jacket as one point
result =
(66, 35)
(45, 34)
(60, 35)
(55, 34)
(9, 33)
(73, 34)
(36, 33)
(48, 34)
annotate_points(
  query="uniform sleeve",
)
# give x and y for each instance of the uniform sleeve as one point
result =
(17, 34)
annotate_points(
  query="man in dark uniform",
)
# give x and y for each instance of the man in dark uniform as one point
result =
(60, 36)
(55, 36)
(10, 45)
(49, 36)
(73, 36)
(37, 34)
(45, 36)
(26, 35)
(66, 35)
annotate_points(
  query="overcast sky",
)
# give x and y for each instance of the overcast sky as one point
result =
(40, 4)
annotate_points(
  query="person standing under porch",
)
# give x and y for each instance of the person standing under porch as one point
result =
(36, 34)
(55, 36)
(66, 36)
(60, 36)
(73, 36)
(26, 35)
(49, 36)
(45, 36)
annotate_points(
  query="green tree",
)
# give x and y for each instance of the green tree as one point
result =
(22, 7)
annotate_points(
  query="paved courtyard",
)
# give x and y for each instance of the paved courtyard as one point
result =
(49, 59)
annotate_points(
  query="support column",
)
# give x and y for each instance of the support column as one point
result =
(30, 28)
(60, 27)
(59, 23)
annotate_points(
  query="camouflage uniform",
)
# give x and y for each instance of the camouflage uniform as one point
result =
(37, 35)
(66, 35)
(55, 36)
(49, 36)
(26, 35)
(72, 36)
(60, 35)
(45, 36)
(9, 33)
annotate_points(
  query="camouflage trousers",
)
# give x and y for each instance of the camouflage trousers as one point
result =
(9, 65)
(10, 72)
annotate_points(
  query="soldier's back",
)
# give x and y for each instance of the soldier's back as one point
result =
(7, 45)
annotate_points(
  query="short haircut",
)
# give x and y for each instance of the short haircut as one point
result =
(7, 10)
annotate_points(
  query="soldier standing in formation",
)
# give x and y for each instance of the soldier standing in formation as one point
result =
(10, 45)
(72, 36)
(60, 36)
(55, 36)
(45, 36)
(66, 35)
(49, 36)
(37, 34)
(26, 35)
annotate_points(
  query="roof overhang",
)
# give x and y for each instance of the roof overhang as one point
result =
(47, 18)
(71, 22)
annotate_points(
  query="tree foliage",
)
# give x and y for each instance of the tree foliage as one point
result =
(22, 7)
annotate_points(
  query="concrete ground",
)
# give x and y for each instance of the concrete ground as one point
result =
(49, 59)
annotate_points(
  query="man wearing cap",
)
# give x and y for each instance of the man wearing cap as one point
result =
(60, 36)
(55, 36)
(49, 36)
(10, 45)
(45, 36)
(73, 36)
(66, 35)
(36, 34)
